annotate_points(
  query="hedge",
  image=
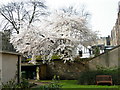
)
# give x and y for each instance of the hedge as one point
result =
(89, 77)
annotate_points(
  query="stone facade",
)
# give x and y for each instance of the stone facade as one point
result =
(103, 41)
(68, 70)
(115, 33)
(114, 36)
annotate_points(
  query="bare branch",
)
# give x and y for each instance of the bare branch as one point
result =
(18, 12)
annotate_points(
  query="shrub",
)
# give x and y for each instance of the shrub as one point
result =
(24, 84)
(89, 77)
(10, 84)
(13, 85)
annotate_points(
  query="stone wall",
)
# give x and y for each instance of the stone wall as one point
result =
(72, 70)
(69, 70)
(108, 59)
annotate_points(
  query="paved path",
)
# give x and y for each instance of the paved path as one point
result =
(38, 83)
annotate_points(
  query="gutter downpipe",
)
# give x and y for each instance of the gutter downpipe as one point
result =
(18, 69)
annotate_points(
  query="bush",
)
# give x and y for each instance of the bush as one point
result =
(13, 85)
(24, 84)
(10, 84)
(89, 77)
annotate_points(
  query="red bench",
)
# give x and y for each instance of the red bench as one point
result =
(104, 80)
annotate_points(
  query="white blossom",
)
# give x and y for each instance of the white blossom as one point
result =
(59, 33)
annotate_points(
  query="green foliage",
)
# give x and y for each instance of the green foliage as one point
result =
(37, 58)
(13, 85)
(24, 84)
(55, 57)
(78, 59)
(96, 51)
(10, 84)
(89, 77)
(54, 85)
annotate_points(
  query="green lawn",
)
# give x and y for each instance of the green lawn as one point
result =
(72, 84)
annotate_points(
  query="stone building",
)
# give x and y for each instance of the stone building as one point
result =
(9, 66)
(10, 61)
(103, 41)
(115, 33)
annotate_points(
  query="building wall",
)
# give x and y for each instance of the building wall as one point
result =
(102, 40)
(115, 33)
(114, 36)
(109, 59)
(0, 69)
(9, 67)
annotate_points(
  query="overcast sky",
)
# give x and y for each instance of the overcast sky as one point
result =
(103, 12)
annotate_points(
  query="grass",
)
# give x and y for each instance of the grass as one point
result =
(72, 84)
(45, 80)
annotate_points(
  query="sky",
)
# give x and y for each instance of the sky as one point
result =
(103, 12)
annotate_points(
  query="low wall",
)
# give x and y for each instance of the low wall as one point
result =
(72, 70)
(69, 70)
(108, 59)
